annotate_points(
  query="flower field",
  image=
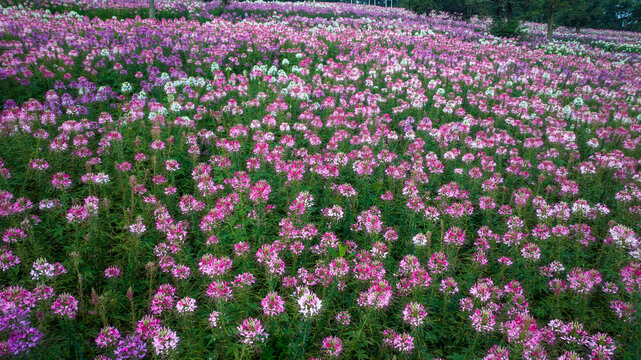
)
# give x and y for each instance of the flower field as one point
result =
(314, 180)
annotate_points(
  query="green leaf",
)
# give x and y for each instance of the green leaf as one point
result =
(342, 249)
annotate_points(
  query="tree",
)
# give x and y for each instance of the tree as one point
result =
(152, 9)
(550, 9)
(580, 14)
(505, 15)
(604, 14)
(619, 14)
(546, 11)
(503, 9)
(456, 7)
(636, 15)
(420, 6)
(223, 2)
(459, 7)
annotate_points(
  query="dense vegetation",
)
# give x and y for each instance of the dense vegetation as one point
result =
(314, 180)
(577, 14)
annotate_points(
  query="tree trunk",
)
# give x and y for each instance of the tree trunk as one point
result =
(577, 29)
(550, 25)
(152, 9)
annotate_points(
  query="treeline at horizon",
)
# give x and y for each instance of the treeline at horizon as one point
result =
(577, 14)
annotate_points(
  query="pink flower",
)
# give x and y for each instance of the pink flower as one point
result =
(163, 299)
(497, 352)
(631, 277)
(399, 342)
(332, 346)
(448, 286)
(251, 331)
(241, 248)
(108, 337)
(378, 296)
(172, 165)
(483, 320)
(148, 327)
(213, 319)
(583, 281)
(438, 264)
(624, 311)
(455, 236)
(61, 181)
(8, 259)
(186, 305)
(220, 290)
(260, 192)
(343, 318)
(531, 251)
(112, 271)
(309, 304)
(165, 341)
(369, 221)
(65, 306)
(414, 314)
(272, 304)
(213, 266)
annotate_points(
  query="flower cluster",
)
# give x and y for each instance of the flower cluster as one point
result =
(314, 180)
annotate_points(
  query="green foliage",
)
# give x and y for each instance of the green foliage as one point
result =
(509, 28)
(104, 241)
(419, 6)
(605, 14)
(459, 7)
(579, 14)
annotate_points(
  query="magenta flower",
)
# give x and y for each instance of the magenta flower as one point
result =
(112, 272)
(165, 341)
(332, 346)
(272, 304)
(66, 306)
(414, 314)
(251, 332)
(108, 336)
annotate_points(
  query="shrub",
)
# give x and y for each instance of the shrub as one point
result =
(510, 28)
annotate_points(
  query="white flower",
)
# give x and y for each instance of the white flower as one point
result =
(186, 305)
(578, 101)
(175, 107)
(165, 341)
(420, 240)
(309, 304)
(126, 88)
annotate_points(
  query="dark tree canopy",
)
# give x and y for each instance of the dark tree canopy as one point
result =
(602, 14)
